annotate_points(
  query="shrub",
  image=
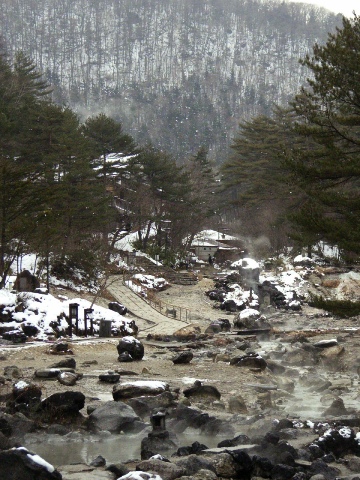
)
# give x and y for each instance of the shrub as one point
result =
(340, 308)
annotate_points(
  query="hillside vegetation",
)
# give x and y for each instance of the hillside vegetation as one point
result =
(181, 74)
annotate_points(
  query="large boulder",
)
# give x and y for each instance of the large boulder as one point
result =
(20, 464)
(27, 393)
(157, 443)
(188, 333)
(201, 392)
(144, 405)
(252, 360)
(219, 325)
(138, 389)
(183, 417)
(166, 470)
(112, 416)
(15, 426)
(64, 403)
(131, 346)
(68, 362)
(193, 463)
(339, 441)
(118, 308)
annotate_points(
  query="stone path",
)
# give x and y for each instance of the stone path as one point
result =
(147, 318)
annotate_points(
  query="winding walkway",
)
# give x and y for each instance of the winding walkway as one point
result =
(147, 318)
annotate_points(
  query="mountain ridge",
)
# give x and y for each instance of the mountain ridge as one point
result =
(181, 74)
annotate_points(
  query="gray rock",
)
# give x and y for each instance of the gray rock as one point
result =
(201, 475)
(157, 443)
(225, 466)
(67, 378)
(326, 343)
(193, 463)
(5, 442)
(249, 361)
(132, 346)
(99, 461)
(316, 383)
(138, 389)
(118, 469)
(202, 392)
(23, 392)
(15, 426)
(64, 403)
(237, 405)
(60, 347)
(336, 409)
(68, 362)
(183, 357)
(319, 467)
(125, 357)
(109, 377)
(166, 470)
(52, 372)
(12, 371)
(145, 404)
(112, 416)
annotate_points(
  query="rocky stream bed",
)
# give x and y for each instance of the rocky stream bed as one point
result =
(280, 402)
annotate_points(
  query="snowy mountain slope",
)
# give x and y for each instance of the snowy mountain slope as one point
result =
(182, 73)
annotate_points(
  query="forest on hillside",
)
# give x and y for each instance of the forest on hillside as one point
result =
(181, 73)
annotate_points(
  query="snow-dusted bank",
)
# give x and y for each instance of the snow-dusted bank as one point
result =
(43, 316)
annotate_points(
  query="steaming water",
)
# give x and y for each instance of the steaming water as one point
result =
(76, 448)
(303, 404)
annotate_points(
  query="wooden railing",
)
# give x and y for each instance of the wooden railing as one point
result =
(168, 309)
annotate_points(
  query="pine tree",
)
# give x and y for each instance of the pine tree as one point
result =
(327, 165)
(202, 197)
(21, 195)
(255, 182)
(107, 137)
(156, 193)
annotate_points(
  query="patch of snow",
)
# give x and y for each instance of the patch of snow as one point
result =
(345, 432)
(36, 459)
(40, 461)
(249, 313)
(191, 381)
(43, 311)
(6, 298)
(148, 383)
(130, 339)
(301, 259)
(21, 385)
(246, 263)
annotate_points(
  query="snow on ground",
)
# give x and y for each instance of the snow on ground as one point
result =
(151, 384)
(47, 313)
(246, 263)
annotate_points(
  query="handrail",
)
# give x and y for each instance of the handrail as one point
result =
(168, 310)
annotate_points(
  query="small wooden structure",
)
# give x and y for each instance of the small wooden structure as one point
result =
(26, 282)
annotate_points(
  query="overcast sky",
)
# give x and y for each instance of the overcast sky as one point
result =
(345, 7)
